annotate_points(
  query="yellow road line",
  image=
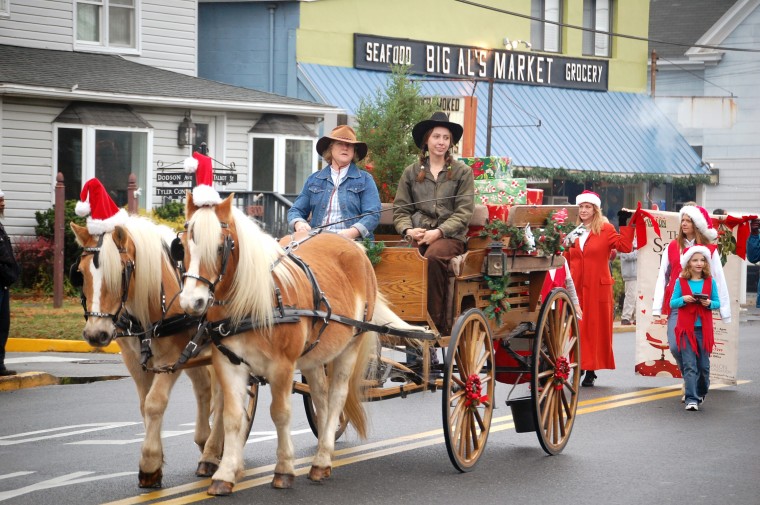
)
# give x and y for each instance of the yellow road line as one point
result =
(396, 445)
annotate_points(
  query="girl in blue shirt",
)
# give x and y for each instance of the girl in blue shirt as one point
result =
(696, 296)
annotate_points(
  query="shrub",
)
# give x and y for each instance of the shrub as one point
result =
(35, 257)
(172, 215)
(46, 229)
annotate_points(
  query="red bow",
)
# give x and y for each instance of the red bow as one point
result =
(638, 221)
(742, 234)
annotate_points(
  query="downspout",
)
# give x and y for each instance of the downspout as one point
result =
(271, 8)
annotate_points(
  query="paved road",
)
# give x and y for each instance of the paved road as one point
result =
(632, 443)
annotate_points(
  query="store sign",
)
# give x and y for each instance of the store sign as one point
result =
(182, 181)
(446, 60)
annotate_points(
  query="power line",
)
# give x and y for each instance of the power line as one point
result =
(696, 75)
(612, 34)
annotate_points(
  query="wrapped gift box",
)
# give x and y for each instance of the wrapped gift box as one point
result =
(535, 196)
(501, 191)
(492, 167)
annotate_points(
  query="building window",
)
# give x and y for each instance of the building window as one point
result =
(110, 155)
(546, 36)
(281, 164)
(597, 15)
(106, 24)
(5, 8)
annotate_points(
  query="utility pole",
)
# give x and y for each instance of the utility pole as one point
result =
(653, 72)
(489, 117)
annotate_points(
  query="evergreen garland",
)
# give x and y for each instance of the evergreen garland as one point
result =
(585, 177)
(498, 303)
(374, 250)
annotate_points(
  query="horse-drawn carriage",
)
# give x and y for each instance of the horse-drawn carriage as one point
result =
(324, 321)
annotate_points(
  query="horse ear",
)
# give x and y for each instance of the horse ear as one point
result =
(120, 237)
(81, 234)
(190, 206)
(224, 209)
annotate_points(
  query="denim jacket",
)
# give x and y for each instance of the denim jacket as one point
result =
(357, 195)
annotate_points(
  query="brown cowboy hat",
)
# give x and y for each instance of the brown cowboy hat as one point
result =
(342, 133)
(437, 119)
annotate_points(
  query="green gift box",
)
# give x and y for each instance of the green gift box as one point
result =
(501, 191)
(492, 167)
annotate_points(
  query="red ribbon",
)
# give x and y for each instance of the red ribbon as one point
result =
(638, 221)
(742, 234)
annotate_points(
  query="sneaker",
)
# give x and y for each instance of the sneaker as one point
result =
(692, 406)
(4, 372)
(625, 322)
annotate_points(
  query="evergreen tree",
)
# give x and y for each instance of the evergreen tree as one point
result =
(385, 123)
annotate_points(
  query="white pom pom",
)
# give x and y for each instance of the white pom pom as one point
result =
(191, 165)
(82, 209)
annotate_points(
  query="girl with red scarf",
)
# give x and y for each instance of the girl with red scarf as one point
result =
(695, 295)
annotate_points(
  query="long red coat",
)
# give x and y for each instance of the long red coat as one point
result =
(593, 282)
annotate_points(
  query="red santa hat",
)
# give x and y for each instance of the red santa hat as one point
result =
(103, 213)
(204, 192)
(701, 220)
(588, 197)
(691, 251)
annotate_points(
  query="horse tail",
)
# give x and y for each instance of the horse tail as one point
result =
(354, 407)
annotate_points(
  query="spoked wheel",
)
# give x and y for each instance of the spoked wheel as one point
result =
(468, 389)
(253, 400)
(555, 378)
(311, 416)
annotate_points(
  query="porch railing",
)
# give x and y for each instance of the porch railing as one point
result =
(270, 209)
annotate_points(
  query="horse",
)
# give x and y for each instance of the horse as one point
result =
(128, 274)
(261, 298)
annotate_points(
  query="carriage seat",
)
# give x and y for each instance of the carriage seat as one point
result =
(479, 215)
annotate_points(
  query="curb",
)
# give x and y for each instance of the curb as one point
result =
(27, 380)
(53, 345)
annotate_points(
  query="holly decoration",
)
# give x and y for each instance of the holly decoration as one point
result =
(473, 390)
(561, 372)
(497, 301)
(726, 243)
(551, 237)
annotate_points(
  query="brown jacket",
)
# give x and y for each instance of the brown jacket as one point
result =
(446, 204)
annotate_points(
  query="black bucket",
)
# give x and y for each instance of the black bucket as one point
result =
(522, 414)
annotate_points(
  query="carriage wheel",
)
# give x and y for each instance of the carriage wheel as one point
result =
(311, 416)
(468, 389)
(555, 377)
(253, 400)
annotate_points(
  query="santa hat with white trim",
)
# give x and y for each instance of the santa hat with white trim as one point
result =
(691, 251)
(204, 192)
(701, 220)
(588, 197)
(103, 213)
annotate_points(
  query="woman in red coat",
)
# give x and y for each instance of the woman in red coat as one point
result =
(589, 257)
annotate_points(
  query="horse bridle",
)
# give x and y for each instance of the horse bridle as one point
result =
(77, 280)
(225, 250)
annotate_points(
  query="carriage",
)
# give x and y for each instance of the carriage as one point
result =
(535, 342)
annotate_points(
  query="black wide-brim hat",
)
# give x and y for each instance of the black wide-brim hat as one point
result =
(342, 133)
(437, 119)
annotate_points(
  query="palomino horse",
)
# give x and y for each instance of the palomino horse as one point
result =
(263, 304)
(129, 270)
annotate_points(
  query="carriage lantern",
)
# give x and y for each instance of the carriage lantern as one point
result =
(495, 260)
(186, 131)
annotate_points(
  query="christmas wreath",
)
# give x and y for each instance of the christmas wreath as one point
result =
(497, 301)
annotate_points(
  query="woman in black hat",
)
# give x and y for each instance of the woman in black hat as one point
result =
(434, 204)
(341, 197)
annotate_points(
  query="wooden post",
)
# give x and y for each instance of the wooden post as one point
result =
(132, 204)
(58, 238)
(653, 72)
(470, 125)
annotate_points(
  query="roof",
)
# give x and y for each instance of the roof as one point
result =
(279, 124)
(608, 132)
(107, 114)
(682, 21)
(106, 77)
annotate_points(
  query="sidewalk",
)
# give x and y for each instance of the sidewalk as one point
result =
(41, 362)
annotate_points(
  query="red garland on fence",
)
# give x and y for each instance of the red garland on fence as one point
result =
(561, 372)
(473, 389)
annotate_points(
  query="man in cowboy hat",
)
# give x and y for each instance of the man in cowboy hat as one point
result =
(340, 197)
(434, 204)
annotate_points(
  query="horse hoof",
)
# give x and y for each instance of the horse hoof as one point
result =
(283, 480)
(220, 488)
(206, 469)
(318, 474)
(150, 479)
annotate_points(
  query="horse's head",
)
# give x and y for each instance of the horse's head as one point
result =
(210, 257)
(103, 276)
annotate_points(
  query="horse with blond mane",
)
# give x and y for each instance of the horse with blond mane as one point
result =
(272, 310)
(126, 275)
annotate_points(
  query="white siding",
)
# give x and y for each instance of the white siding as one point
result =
(237, 147)
(43, 24)
(26, 153)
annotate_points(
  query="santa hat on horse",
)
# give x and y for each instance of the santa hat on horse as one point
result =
(204, 192)
(701, 220)
(103, 213)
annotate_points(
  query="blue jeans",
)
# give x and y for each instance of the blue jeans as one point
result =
(672, 319)
(695, 369)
